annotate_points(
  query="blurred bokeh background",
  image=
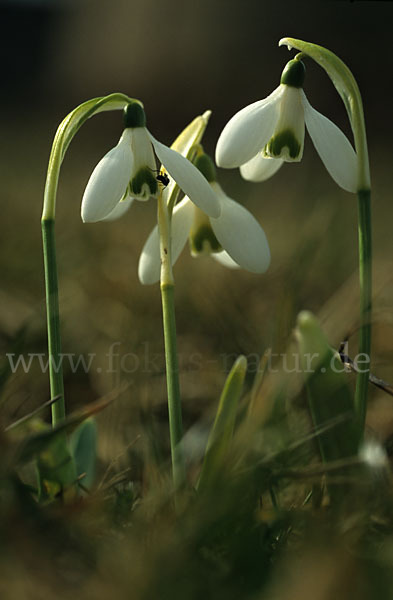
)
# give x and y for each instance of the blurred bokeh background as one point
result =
(181, 58)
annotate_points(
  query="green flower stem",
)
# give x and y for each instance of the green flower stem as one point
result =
(51, 279)
(365, 278)
(66, 474)
(348, 89)
(172, 368)
(53, 321)
(64, 135)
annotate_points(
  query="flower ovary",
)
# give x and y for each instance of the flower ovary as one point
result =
(134, 115)
(206, 166)
(294, 74)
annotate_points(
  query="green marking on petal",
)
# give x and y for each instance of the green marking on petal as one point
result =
(283, 145)
(144, 183)
(203, 240)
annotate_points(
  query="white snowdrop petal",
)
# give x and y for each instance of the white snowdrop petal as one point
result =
(142, 150)
(334, 148)
(149, 267)
(224, 259)
(260, 168)
(188, 178)
(248, 131)
(120, 209)
(108, 182)
(182, 218)
(240, 234)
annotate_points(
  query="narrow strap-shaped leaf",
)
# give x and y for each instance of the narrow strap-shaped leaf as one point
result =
(83, 444)
(222, 430)
(328, 392)
(38, 442)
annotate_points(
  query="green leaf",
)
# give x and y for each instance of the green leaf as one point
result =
(258, 381)
(38, 442)
(330, 398)
(222, 431)
(56, 472)
(83, 445)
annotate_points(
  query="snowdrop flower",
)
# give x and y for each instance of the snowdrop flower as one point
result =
(129, 171)
(263, 135)
(235, 238)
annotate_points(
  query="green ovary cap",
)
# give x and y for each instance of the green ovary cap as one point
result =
(206, 166)
(144, 183)
(134, 115)
(203, 240)
(285, 139)
(293, 74)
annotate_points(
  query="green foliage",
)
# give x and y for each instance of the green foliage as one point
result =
(222, 431)
(329, 395)
(56, 472)
(57, 466)
(83, 445)
(226, 541)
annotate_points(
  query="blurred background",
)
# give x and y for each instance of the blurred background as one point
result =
(182, 58)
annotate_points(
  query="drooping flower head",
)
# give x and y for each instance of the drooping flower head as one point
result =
(265, 134)
(235, 238)
(129, 171)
